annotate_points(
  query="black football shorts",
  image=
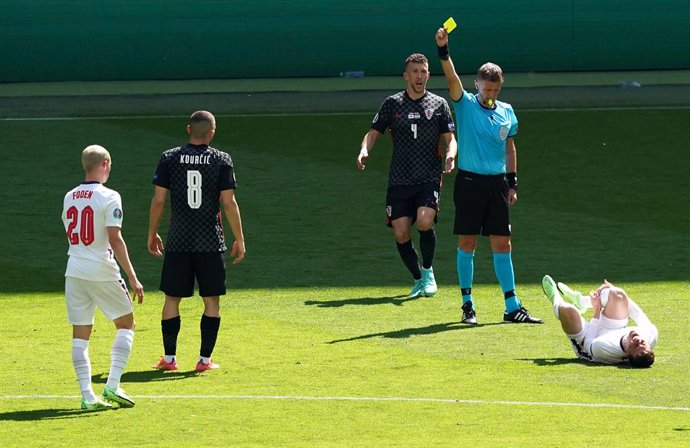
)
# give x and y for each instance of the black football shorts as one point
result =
(404, 200)
(180, 269)
(481, 204)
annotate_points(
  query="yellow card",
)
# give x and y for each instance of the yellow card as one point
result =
(450, 24)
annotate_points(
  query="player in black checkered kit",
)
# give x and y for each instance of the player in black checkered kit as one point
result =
(417, 121)
(199, 178)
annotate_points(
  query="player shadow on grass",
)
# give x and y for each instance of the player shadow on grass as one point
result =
(419, 331)
(551, 362)
(146, 376)
(45, 414)
(394, 300)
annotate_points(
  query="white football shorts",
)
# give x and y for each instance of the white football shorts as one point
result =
(83, 296)
(606, 325)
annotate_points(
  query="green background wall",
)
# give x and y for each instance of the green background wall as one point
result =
(63, 40)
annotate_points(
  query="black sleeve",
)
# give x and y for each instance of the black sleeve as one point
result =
(446, 122)
(383, 118)
(226, 180)
(162, 175)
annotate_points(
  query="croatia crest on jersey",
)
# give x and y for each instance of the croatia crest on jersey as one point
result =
(429, 113)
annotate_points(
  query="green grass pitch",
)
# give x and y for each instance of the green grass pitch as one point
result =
(318, 346)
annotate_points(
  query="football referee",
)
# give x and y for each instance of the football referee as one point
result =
(486, 183)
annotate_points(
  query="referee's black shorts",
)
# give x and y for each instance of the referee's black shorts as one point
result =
(180, 269)
(481, 204)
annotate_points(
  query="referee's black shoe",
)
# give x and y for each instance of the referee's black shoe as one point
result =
(521, 316)
(468, 314)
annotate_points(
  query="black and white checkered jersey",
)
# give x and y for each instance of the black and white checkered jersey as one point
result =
(195, 176)
(416, 127)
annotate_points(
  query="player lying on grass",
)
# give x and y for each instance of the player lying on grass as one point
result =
(606, 338)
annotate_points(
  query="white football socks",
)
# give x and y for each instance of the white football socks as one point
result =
(82, 367)
(557, 300)
(122, 347)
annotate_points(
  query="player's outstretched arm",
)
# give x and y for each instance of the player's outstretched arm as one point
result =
(117, 243)
(155, 243)
(454, 84)
(367, 143)
(232, 214)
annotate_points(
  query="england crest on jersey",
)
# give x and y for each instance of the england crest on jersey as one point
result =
(429, 113)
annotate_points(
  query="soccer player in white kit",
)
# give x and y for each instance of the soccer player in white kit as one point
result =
(92, 215)
(606, 338)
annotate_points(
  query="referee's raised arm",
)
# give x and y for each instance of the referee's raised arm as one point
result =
(454, 84)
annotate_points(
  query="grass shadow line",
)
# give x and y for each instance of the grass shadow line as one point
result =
(418, 331)
(146, 376)
(551, 362)
(44, 414)
(394, 300)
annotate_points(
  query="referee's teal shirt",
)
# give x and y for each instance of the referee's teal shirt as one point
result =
(482, 134)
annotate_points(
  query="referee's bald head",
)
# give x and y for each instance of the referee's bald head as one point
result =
(200, 123)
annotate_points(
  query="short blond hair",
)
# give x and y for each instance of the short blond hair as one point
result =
(92, 156)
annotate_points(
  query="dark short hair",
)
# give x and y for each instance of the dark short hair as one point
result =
(490, 72)
(643, 360)
(416, 58)
(201, 122)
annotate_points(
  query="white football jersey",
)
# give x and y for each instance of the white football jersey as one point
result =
(87, 211)
(606, 347)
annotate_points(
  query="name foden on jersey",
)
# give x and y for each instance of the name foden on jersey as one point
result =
(195, 159)
(82, 194)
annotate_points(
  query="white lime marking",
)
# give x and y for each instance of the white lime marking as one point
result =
(372, 399)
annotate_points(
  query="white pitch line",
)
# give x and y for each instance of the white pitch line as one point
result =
(312, 114)
(138, 117)
(372, 399)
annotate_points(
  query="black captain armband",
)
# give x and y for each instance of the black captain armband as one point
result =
(443, 52)
(512, 180)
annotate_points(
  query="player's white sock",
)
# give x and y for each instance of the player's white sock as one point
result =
(557, 300)
(122, 346)
(82, 367)
(204, 359)
(169, 358)
(585, 302)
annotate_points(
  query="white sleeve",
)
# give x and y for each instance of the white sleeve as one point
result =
(638, 315)
(113, 210)
(646, 328)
